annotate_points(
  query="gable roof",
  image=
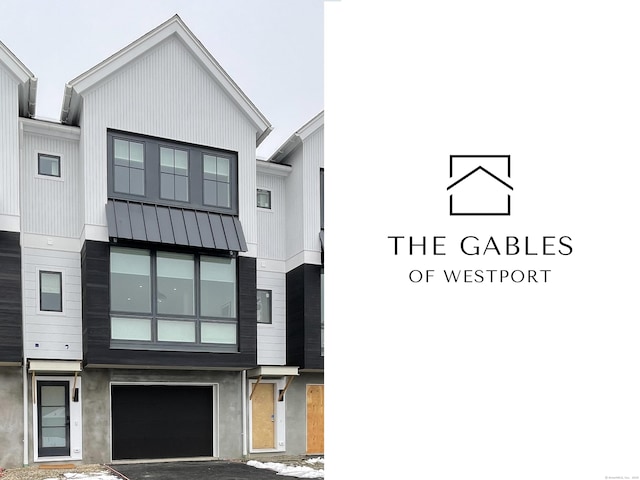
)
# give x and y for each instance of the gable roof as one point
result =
(27, 82)
(296, 139)
(72, 104)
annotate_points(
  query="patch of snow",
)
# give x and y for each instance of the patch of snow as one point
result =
(90, 476)
(288, 470)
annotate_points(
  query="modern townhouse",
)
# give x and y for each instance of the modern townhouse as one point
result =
(160, 287)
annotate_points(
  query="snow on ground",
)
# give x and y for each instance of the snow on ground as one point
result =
(88, 476)
(299, 471)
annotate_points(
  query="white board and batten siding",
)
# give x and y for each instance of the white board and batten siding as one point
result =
(303, 201)
(270, 265)
(272, 222)
(166, 93)
(50, 335)
(51, 206)
(9, 156)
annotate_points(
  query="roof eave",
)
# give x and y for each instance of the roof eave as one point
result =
(28, 83)
(173, 26)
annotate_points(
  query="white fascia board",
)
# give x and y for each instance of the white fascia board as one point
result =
(14, 65)
(51, 129)
(172, 27)
(272, 168)
(27, 82)
(296, 139)
(311, 126)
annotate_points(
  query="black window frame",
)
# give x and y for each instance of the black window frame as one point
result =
(154, 316)
(268, 192)
(49, 272)
(152, 172)
(270, 293)
(49, 155)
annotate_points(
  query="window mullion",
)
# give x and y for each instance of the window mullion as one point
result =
(198, 293)
(154, 299)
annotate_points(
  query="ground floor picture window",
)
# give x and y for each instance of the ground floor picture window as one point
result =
(170, 299)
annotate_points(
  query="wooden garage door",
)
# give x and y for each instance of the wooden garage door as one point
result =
(161, 421)
(315, 419)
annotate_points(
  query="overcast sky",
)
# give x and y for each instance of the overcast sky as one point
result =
(273, 49)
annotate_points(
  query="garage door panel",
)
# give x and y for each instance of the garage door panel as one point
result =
(161, 421)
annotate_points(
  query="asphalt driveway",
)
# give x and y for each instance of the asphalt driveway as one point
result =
(217, 469)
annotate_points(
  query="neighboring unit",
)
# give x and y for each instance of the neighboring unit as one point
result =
(162, 288)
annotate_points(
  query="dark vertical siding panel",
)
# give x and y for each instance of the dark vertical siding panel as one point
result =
(295, 316)
(303, 317)
(11, 298)
(247, 310)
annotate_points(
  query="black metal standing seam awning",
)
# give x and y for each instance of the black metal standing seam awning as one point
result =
(173, 225)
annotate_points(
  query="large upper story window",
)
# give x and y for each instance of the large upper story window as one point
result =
(128, 167)
(167, 300)
(167, 172)
(174, 174)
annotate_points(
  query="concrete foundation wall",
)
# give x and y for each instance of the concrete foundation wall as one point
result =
(97, 409)
(11, 417)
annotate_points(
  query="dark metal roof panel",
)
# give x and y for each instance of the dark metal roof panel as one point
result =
(230, 233)
(151, 223)
(179, 230)
(138, 232)
(164, 222)
(123, 222)
(205, 230)
(170, 225)
(111, 219)
(190, 223)
(240, 234)
(218, 232)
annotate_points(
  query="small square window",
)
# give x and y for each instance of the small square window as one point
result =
(48, 165)
(264, 198)
(50, 291)
(264, 306)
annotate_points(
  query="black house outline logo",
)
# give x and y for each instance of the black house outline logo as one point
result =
(504, 209)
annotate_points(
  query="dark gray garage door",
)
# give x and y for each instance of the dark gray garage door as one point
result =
(161, 421)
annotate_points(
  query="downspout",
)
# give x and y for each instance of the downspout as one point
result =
(244, 413)
(25, 414)
(25, 384)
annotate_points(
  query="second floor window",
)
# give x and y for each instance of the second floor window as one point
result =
(50, 291)
(171, 173)
(128, 167)
(174, 174)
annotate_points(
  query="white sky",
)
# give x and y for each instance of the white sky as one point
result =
(273, 49)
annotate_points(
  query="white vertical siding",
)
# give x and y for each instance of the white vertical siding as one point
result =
(166, 93)
(9, 196)
(272, 338)
(51, 205)
(295, 204)
(271, 222)
(313, 151)
(58, 335)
